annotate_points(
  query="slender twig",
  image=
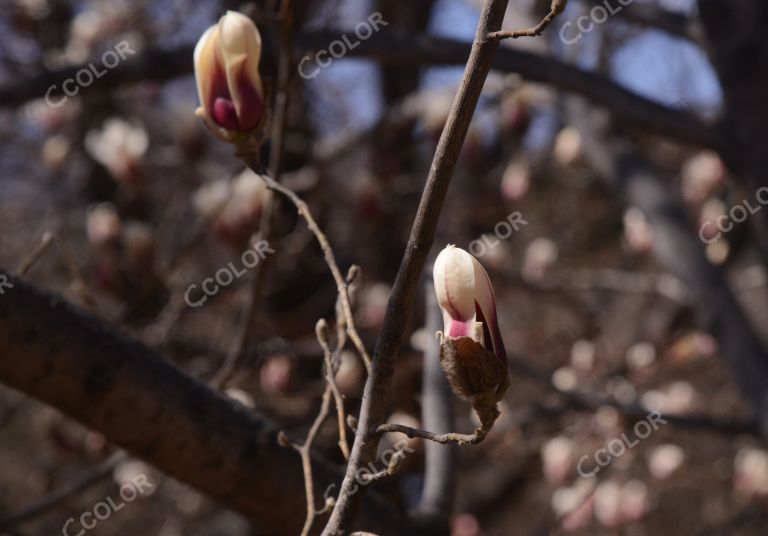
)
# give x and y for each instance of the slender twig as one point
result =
(445, 439)
(304, 450)
(331, 365)
(557, 7)
(59, 495)
(75, 273)
(376, 394)
(251, 159)
(35, 254)
(266, 224)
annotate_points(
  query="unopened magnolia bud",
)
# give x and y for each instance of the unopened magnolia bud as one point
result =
(516, 181)
(750, 472)
(139, 245)
(540, 255)
(119, 146)
(567, 149)
(276, 375)
(103, 225)
(233, 209)
(55, 151)
(637, 231)
(350, 376)
(664, 460)
(229, 85)
(472, 352)
(701, 176)
(283, 440)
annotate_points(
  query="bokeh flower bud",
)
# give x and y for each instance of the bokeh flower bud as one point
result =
(227, 74)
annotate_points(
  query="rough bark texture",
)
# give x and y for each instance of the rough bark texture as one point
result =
(146, 405)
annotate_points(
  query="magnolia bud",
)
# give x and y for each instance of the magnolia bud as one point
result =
(120, 146)
(227, 74)
(233, 209)
(103, 225)
(472, 352)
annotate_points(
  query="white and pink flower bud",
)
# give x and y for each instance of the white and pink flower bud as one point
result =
(229, 85)
(472, 352)
(466, 297)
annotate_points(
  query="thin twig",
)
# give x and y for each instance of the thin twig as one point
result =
(331, 365)
(32, 258)
(376, 394)
(266, 225)
(58, 496)
(557, 7)
(251, 159)
(461, 439)
(75, 273)
(305, 448)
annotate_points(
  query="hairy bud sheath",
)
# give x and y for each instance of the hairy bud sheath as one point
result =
(229, 86)
(472, 352)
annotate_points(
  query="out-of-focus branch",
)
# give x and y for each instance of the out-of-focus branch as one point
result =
(393, 49)
(654, 16)
(557, 7)
(678, 249)
(629, 107)
(437, 497)
(65, 492)
(146, 405)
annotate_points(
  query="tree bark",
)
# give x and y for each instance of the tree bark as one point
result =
(146, 405)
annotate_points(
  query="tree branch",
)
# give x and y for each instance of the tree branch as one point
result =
(393, 49)
(376, 393)
(146, 405)
(437, 497)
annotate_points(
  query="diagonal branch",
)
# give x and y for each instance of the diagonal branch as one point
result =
(147, 406)
(376, 393)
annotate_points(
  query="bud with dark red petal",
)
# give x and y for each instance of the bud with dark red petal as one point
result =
(229, 85)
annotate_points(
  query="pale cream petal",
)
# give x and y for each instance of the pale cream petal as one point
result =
(204, 56)
(454, 278)
(241, 51)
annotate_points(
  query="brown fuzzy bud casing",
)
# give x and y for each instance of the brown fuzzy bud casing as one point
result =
(472, 353)
(474, 375)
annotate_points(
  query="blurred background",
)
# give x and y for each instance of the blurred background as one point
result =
(599, 184)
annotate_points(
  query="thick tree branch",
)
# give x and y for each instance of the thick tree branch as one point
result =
(392, 49)
(149, 407)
